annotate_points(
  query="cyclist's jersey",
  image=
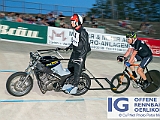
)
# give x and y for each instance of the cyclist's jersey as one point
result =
(142, 48)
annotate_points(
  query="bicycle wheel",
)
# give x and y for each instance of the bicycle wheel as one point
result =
(121, 81)
(153, 76)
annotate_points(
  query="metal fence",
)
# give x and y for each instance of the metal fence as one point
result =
(35, 8)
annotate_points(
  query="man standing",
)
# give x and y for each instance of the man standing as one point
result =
(80, 45)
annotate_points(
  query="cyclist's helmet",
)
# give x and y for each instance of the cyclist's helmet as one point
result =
(131, 35)
(77, 18)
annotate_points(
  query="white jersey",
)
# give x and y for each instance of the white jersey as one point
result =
(75, 38)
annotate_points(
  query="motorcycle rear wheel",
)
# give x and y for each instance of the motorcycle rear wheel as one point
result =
(14, 86)
(84, 85)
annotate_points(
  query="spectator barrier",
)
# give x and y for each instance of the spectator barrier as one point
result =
(62, 37)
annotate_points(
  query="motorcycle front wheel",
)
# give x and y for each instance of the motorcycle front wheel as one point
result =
(16, 86)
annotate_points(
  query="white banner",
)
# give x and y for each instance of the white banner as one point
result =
(133, 107)
(59, 36)
(98, 41)
(95, 30)
(108, 42)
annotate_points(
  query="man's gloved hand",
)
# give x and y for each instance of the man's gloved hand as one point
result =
(127, 64)
(120, 58)
(68, 48)
(58, 49)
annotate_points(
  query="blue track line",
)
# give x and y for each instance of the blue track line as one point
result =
(69, 100)
(8, 71)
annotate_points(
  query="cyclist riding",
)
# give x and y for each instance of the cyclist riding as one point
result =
(138, 51)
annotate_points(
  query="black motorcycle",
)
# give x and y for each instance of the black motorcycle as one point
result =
(49, 73)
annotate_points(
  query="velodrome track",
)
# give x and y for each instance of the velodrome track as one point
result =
(57, 105)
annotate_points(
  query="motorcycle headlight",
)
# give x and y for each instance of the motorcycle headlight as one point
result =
(32, 58)
(31, 55)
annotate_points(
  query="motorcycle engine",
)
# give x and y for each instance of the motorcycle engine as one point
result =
(49, 82)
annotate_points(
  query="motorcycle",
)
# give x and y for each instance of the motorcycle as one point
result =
(49, 73)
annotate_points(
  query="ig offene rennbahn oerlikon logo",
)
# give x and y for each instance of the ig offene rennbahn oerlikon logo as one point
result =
(133, 107)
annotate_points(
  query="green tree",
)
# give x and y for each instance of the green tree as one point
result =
(120, 9)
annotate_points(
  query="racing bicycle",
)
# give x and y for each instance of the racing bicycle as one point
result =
(153, 77)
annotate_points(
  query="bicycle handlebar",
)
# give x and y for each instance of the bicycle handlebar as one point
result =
(125, 60)
(134, 64)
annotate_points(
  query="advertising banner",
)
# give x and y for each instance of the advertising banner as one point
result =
(95, 30)
(59, 36)
(154, 44)
(108, 42)
(98, 41)
(23, 32)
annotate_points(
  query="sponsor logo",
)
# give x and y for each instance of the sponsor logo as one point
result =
(54, 34)
(19, 31)
(52, 63)
(115, 103)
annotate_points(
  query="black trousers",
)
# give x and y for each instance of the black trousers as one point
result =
(75, 66)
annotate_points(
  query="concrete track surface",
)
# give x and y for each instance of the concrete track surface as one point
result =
(57, 105)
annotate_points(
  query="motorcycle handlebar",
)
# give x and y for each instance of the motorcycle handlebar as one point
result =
(50, 50)
(45, 51)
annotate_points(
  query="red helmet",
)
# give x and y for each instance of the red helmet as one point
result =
(77, 18)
